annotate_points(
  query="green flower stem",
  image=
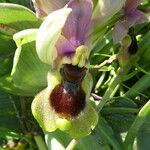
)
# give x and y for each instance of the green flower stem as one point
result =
(72, 144)
(119, 110)
(100, 81)
(40, 143)
(135, 127)
(108, 61)
(110, 91)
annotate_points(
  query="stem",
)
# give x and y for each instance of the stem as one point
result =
(137, 124)
(115, 82)
(40, 143)
(17, 113)
(100, 81)
(27, 126)
(72, 144)
(96, 97)
(108, 61)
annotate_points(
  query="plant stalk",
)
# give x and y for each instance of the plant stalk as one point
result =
(40, 143)
(72, 144)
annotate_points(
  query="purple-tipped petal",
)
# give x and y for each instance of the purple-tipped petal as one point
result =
(64, 47)
(120, 31)
(79, 21)
(132, 16)
(47, 6)
(136, 17)
(131, 5)
(105, 10)
(39, 12)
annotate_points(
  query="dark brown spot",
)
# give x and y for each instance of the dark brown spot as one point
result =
(133, 48)
(73, 74)
(68, 100)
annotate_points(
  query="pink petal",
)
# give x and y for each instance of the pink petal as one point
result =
(39, 13)
(79, 21)
(136, 17)
(64, 47)
(121, 28)
(120, 31)
(131, 5)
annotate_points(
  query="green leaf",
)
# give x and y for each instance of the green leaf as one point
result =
(144, 46)
(107, 134)
(144, 136)
(136, 126)
(5, 66)
(7, 84)
(8, 133)
(60, 140)
(7, 50)
(140, 86)
(28, 73)
(7, 46)
(144, 53)
(120, 113)
(8, 113)
(22, 2)
(15, 17)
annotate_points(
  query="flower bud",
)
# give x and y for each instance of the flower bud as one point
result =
(105, 9)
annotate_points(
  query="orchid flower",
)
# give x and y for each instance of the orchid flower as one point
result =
(60, 42)
(132, 16)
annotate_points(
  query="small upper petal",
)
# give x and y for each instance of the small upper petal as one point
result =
(79, 21)
(105, 9)
(136, 17)
(64, 47)
(131, 5)
(120, 31)
(39, 12)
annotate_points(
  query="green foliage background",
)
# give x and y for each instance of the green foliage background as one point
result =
(119, 117)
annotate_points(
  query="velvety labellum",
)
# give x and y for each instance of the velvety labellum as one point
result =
(68, 98)
(67, 103)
